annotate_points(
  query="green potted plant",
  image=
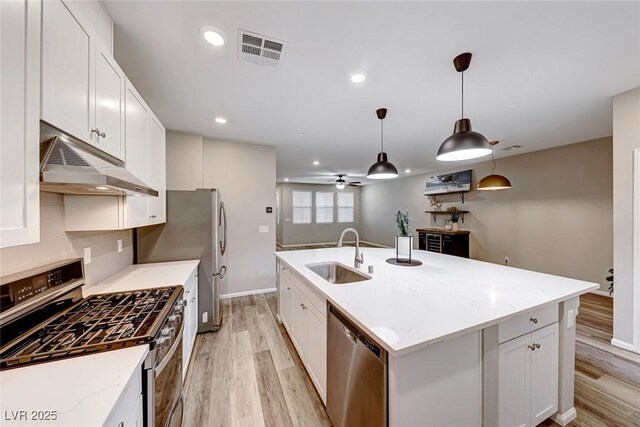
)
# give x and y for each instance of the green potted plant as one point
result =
(454, 214)
(404, 239)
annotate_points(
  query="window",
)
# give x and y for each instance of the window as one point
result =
(345, 207)
(324, 208)
(301, 206)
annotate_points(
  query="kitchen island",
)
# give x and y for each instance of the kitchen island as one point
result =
(459, 334)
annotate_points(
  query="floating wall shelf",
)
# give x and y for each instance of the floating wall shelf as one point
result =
(434, 214)
(460, 193)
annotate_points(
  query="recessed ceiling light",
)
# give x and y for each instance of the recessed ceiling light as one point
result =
(407, 171)
(300, 134)
(213, 36)
(358, 77)
(316, 163)
(286, 180)
(221, 120)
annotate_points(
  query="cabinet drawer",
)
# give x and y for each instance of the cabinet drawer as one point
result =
(528, 322)
(315, 298)
(285, 269)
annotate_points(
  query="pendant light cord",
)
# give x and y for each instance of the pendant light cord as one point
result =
(382, 135)
(493, 169)
(462, 95)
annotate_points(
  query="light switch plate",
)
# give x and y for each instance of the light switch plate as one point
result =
(205, 317)
(87, 255)
(263, 229)
(119, 245)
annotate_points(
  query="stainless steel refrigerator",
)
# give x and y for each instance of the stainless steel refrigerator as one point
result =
(196, 228)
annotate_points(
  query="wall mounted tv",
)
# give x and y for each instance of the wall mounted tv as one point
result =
(456, 182)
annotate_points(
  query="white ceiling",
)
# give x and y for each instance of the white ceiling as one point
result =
(542, 74)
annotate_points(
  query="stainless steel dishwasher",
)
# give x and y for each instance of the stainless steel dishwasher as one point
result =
(356, 375)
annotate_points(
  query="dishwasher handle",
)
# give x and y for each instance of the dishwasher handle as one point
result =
(350, 334)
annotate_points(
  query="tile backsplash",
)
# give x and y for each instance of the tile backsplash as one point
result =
(56, 244)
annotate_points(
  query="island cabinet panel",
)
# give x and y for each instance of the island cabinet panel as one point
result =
(190, 298)
(305, 323)
(286, 301)
(439, 385)
(528, 378)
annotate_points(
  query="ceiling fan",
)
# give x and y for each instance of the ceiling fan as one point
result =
(341, 183)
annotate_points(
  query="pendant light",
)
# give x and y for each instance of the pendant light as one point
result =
(464, 144)
(494, 182)
(382, 169)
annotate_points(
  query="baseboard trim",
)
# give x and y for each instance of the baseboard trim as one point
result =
(246, 293)
(624, 345)
(600, 292)
(566, 418)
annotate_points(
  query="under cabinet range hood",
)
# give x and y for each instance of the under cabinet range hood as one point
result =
(71, 166)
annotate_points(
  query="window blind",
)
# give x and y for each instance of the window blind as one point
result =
(324, 207)
(345, 207)
(301, 207)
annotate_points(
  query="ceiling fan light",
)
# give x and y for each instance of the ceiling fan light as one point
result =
(464, 144)
(340, 185)
(494, 182)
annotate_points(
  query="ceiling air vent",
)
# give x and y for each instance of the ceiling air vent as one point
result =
(259, 49)
(512, 147)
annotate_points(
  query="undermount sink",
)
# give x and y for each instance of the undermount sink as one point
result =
(336, 273)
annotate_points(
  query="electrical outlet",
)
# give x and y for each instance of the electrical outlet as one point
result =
(263, 229)
(87, 255)
(119, 245)
(571, 319)
(506, 260)
(205, 317)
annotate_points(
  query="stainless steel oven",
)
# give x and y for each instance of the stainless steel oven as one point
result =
(163, 373)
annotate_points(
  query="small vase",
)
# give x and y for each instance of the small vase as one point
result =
(455, 226)
(404, 244)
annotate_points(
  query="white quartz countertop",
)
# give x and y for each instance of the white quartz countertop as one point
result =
(145, 276)
(407, 308)
(83, 390)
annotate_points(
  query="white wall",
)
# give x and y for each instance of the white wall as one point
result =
(246, 177)
(56, 244)
(626, 138)
(301, 234)
(557, 218)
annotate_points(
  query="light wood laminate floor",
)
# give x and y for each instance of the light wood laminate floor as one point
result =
(248, 374)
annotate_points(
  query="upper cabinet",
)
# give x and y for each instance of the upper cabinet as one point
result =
(157, 169)
(19, 115)
(82, 85)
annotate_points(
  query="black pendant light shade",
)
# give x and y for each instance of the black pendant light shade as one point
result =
(464, 144)
(382, 168)
(494, 181)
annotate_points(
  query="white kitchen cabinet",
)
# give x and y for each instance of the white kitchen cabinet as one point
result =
(157, 170)
(19, 115)
(109, 103)
(128, 411)
(190, 328)
(286, 292)
(299, 322)
(137, 127)
(528, 378)
(317, 350)
(306, 324)
(67, 71)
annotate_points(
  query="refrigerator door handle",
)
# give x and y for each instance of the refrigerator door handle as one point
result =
(222, 272)
(223, 223)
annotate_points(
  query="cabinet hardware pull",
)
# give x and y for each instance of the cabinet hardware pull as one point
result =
(288, 288)
(534, 319)
(534, 346)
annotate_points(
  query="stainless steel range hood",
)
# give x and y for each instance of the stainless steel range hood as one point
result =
(71, 166)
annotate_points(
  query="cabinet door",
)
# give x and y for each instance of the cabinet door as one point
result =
(157, 170)
(286, 302)
(299, 322)
(109, 103)
(137, 154)
(544, 373)
(136, 417)
(513, 382)
(67, 72)
(317, 350)
(20, 129)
